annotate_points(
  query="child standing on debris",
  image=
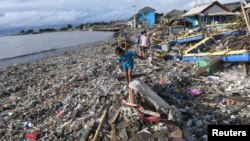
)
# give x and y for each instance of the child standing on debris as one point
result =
(145, 44)
(139, 43)
(126, 62)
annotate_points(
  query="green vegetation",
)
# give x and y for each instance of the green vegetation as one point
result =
(47, 30)
(30, 31)
(68, 27)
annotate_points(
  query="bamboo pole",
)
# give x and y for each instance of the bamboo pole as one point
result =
(100, 125)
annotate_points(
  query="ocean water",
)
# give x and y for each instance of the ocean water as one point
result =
(24, 48)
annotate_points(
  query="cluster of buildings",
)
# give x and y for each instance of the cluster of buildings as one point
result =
(202, 14)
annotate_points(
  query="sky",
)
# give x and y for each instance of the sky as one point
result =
(30, 13)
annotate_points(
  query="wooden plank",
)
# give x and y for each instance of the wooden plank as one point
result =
(148, 112)
(218, 53)
(245, 16)
(245, 69)
(197, 45)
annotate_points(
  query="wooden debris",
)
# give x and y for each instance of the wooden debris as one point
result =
(217, 90)
(113, 133)
(148, 112)
(232, 48)
(100, 125)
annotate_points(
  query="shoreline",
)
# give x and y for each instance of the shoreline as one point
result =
(19, 60)
(4, 35)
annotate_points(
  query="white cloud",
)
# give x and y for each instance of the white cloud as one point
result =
(18, 13)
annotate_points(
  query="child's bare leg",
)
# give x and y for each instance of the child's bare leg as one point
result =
(141, 52)
(129, 75)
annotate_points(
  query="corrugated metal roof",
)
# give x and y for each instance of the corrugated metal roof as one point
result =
(248, 5)
(232, 6)
(147, 9)
(222, 13)
(174, 12)
(196, 10)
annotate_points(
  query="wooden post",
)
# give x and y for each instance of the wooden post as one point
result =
(245, 16)
(245, 69)
(100, 125)
(132, 97)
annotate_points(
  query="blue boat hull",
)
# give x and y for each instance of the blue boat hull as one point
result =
(245, 57)
(190, 39)
(235, 33)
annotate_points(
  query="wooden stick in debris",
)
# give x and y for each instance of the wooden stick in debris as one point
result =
(113, 133)
(242, 99)
(148, 112)
(245, 16)
(100, 125)
(217, 90)
(198, 79)
(245, 69)
(129, 104)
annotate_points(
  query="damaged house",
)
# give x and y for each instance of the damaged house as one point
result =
(145, 18)
(209, 13)
(171, 16)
